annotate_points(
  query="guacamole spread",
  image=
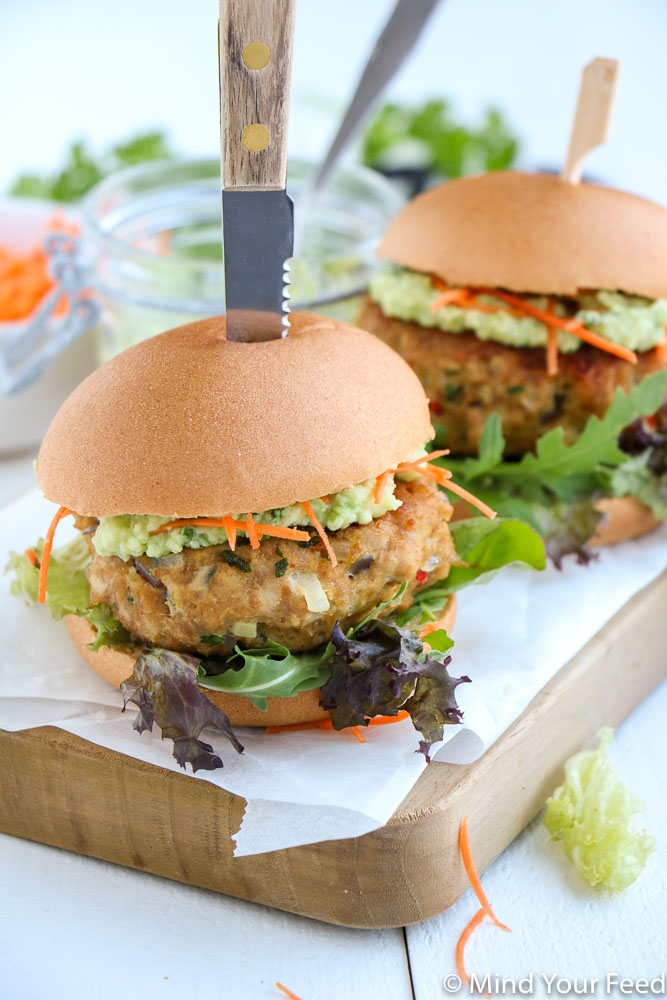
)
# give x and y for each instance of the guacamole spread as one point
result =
(635, 323)
(129, 535)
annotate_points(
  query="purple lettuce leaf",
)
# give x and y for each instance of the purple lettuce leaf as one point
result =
(384, 669)
(164, 688)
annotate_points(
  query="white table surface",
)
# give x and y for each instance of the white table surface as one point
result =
(100, 930)
(74, 927)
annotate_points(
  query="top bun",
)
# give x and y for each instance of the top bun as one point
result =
(188, 424)
(533, 233)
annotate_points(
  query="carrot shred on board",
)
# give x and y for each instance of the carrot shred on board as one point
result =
(471, 872)
(461, 946)
(31, 556)
(307, 506)
(358, 735)
(378, 720)
(230, 531)
(569, 325)
(288, 993)
(380, 486)
(46, 552)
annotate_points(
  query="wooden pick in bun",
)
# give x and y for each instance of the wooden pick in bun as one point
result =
(515, 293)
(249, 511)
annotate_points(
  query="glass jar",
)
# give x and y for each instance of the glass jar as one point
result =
(151, 245)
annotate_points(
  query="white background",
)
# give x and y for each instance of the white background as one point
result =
(71, 927)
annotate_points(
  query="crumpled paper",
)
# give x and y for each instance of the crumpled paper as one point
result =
(512, 636)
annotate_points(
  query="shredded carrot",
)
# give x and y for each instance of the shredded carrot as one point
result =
(380, 486)
(417, 464)
(251, 531)
(461, 945)
(444, 478)
(386, 720)
(230, 531)
(552, 340)
(569, 325)
(378, 720)
(46, 552)
(428, 629)
(231, 527)
(471, 872)
(307, 506)
(31, 556)
(325, 500)
(288, 993)
(661, 349)
(468, 298)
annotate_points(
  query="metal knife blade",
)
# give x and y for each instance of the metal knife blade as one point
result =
(258, 240)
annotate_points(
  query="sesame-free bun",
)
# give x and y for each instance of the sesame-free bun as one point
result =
(187, 423)
(115, 666)
(533, 233)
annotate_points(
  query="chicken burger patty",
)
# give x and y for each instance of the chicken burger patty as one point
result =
(208, 600)
(467, 379)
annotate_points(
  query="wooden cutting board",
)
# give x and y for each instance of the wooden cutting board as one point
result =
(59, 789)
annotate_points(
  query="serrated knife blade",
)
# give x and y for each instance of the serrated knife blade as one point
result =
(258, 240)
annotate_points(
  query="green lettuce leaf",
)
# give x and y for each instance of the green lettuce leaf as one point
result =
(486, 547)
(592, 815)
(110, 632)
(68, 592)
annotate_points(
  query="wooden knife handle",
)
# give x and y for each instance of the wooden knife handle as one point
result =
(255, 58)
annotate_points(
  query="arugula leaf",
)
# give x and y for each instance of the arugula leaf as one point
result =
(384, 669)
(566, 470)
(110, 632)
(68, 592)
(271, 672)
(164, 687)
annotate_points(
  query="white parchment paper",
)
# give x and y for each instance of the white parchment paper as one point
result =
(511, 637)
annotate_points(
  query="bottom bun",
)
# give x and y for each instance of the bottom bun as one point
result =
(116, 666)
(624, 517)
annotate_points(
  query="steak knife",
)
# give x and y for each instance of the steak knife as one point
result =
(255, 60)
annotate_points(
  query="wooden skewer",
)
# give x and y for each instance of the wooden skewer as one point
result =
(592, 115)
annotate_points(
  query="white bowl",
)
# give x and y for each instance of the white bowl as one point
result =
(24, 417)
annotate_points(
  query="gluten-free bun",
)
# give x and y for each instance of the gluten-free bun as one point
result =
(533, 233)
(115, 666)
(187, 423)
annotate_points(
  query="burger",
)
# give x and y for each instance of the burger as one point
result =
(533, 311)
(262, 537)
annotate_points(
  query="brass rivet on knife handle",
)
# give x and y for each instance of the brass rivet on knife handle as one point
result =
(252, 91)
(255, 138)
(593, 114)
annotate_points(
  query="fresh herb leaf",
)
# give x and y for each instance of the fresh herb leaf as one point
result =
(431, 138)
(82, 170)
(211, 640)
(281, 567)
(164, 687)
(232, 559)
